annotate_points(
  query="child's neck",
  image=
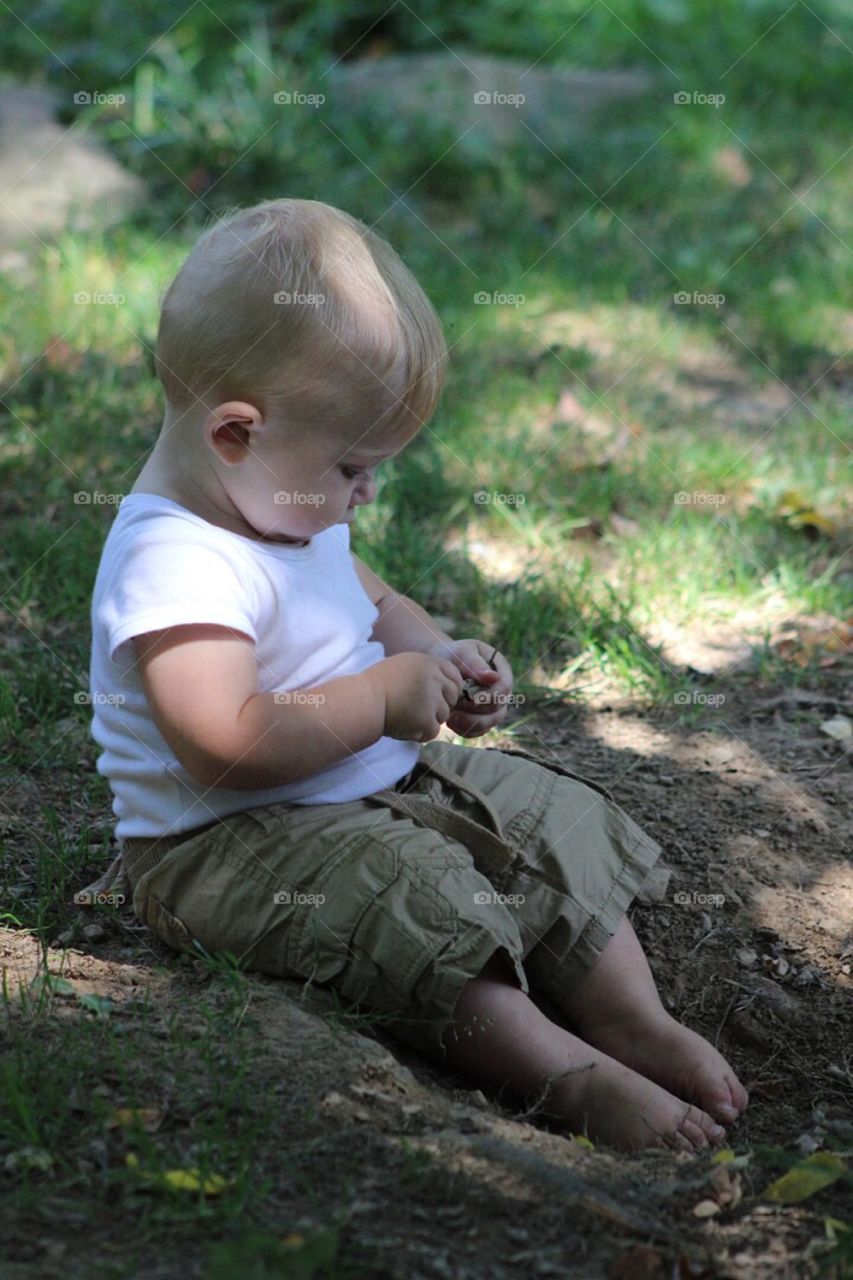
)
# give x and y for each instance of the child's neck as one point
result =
(152, 479)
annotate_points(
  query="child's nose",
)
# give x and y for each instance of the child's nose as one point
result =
(364, 493)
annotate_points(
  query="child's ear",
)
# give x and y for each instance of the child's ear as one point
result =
(229, 430)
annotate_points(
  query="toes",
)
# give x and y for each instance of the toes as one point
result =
(723, 1098)
(729, 1108)
(696, 1131)
(711, 1132)
(740, 1097)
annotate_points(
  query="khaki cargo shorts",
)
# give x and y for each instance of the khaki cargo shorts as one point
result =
(397, 900)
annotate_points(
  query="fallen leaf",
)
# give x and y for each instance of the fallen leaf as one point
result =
(180, 1179)
(726, 1182)
(806, 1178)
(799, 513)
(150, 1118)
(839, 727)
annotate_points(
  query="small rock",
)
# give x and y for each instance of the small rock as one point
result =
(94, 932)
(806, 976)
(747, 958)
(761, 832)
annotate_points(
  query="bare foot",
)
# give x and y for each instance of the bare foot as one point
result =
(672, 1055)
(613, 1104)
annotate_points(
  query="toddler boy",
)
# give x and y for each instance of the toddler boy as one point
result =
(278, 786)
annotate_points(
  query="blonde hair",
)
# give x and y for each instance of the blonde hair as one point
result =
(304, 311)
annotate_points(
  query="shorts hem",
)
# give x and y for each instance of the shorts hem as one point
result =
(566, 971)
(456, 968)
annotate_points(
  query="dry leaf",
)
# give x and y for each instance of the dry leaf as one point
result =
(727, 1185)
(180, 1179)
(150, 1118)
(799, 513)
(839, 727)
(806, 1178)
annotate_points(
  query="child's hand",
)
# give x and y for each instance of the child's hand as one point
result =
(419, 691)
(471, 657)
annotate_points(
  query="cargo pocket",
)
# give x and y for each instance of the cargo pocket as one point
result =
(328, 912)
(167, 926)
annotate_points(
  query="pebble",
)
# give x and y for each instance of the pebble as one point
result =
(94, 932)
(747, 958)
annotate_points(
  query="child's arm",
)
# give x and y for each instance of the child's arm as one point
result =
(402, 626)
(201, 684)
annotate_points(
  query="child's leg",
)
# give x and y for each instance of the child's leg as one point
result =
(616, 1008)
(499, 1036)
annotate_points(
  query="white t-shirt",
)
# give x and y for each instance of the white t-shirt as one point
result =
(304, 607)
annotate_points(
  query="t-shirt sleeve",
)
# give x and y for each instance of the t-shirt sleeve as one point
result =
(161, 582)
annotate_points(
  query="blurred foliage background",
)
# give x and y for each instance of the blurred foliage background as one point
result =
(598, 399)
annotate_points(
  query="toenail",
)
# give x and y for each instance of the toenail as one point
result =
(730, 1112)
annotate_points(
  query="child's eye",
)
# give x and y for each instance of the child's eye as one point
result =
(350, 472)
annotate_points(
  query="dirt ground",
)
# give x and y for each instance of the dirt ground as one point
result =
(752, 945)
